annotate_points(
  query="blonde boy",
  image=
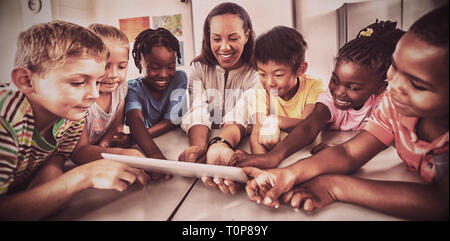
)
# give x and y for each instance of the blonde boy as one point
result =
(56, 70)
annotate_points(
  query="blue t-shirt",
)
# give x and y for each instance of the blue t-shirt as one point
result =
(170, 107)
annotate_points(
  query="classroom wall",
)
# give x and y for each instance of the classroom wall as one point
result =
(265, 14)
(11, 24)
(316, 20)
(84, 12)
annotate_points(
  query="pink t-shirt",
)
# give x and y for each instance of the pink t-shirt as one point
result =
(349, 119)
(430, 160)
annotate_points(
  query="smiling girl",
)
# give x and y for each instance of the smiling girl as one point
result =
(106, 115)
(159, 92)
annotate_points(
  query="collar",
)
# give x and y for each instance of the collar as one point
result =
(231, 72)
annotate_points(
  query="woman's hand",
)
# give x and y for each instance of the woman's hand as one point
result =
(193, 154)
(220, 154)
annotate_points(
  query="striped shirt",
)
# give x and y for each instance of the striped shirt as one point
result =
(428, 159)
(211, 96)
(22, 148)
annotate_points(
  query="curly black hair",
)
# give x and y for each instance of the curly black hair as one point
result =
(373, 46)
(433, 27)
(149, 38)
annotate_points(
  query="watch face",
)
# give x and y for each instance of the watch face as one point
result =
(34, 6)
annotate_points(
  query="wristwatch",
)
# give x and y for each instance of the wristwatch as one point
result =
(220, 139)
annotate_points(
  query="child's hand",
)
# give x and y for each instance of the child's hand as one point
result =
(311, 195)
(153, 176)
(267, 186)
(121, 139)
(220, 154)
(105, 142)
(264, 161)
(269, 133)
(107, 174)
(193, 154)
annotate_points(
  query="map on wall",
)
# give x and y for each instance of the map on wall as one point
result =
(133, 26)
(169, 22)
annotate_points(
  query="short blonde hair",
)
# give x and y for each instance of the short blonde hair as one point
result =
(46, 46)
(108, 32)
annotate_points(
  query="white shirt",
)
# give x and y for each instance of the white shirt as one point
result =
(211, 96)
(98, 122)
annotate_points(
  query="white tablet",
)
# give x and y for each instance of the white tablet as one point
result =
(185, 169)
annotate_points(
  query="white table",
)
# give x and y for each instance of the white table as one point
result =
(155, 201)
(207, 204)
(159, 201)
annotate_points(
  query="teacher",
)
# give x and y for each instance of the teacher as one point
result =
(217, 80)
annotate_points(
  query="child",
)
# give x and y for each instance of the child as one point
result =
(56, 69)
(413, 115)
(104, 123)
(356, 88)
(154, 101)
(106, 115)
(280, 58)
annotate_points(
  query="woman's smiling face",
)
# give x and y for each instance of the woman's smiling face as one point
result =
(228, 39)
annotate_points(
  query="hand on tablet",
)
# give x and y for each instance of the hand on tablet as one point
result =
(243, 159)
(268, 185)
(193, 154)
(220, 154)
(107, 174)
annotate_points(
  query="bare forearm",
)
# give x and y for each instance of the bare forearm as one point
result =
(146, 143)
(198, 135)
(301, 136)
(232, 133)
(141, 135)
(255, 147)
(321, 163)
(90, 153)
(42, 200)
(401, 199)
(161, 128)
(288, 124)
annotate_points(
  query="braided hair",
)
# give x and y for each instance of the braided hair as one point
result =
(373, 46)
(150, 38)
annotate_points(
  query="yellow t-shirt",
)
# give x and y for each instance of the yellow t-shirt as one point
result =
(307, 93)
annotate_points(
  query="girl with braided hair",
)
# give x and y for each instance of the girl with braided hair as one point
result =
(356, 87)
(155, 99)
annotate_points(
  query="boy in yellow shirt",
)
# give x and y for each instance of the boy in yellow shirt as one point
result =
(285, 94)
